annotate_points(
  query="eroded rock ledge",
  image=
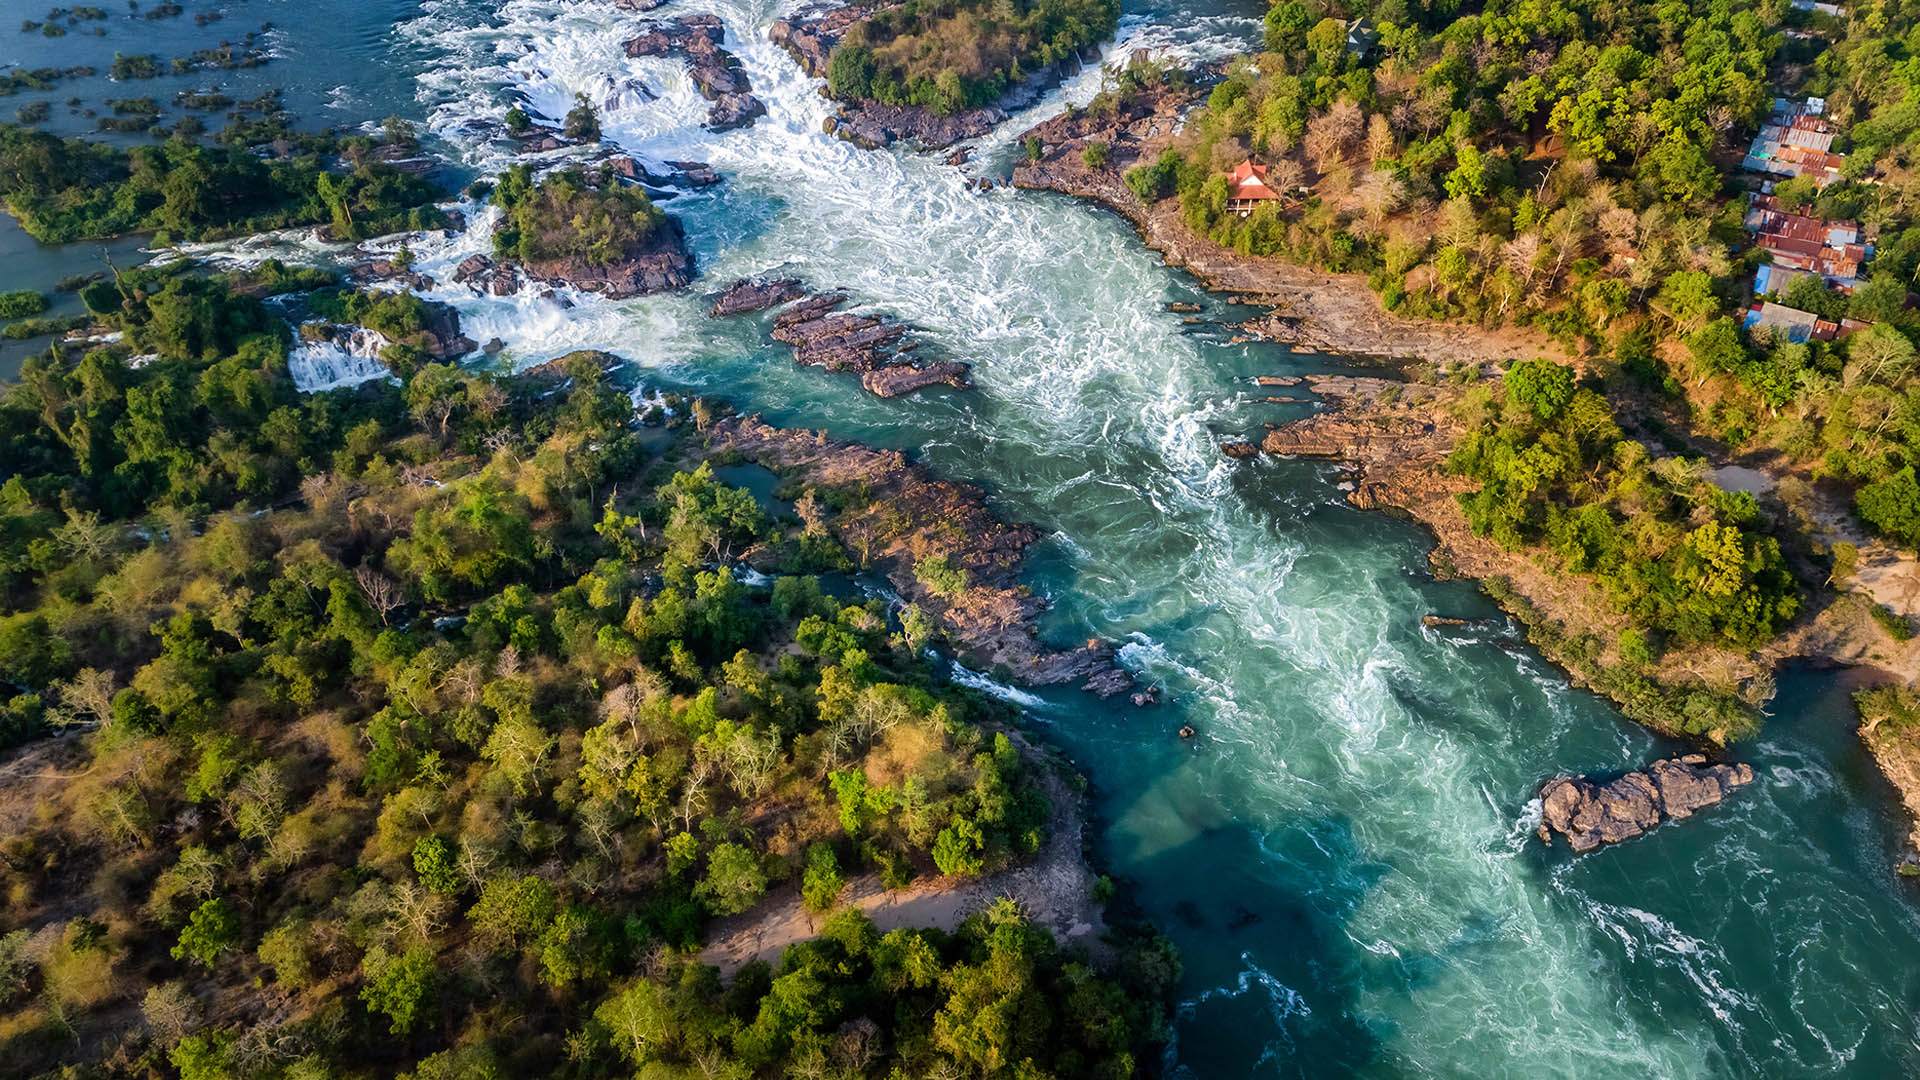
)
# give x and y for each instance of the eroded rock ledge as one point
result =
(1590, 814)
(904, 517)
(697, 39)
(873, 346)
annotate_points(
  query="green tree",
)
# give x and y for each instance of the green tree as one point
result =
(821, 883)
(211, 930)
(734, 881)
(401, 986)
(1541, 386)
(1892, 507)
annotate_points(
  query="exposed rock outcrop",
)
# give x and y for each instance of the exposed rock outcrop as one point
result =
(872, 125)
(868, 345)
(698, 39)
(749, 294)
(1590, 814)
(905, 517)
(678, 174)
(483, 275)
(389, 270)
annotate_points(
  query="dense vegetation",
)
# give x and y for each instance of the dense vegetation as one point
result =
(946, 55)
(1687, 563)
(1575, 167)
(68, 189)
(1499, 163)
(418, 730)
(559, 216)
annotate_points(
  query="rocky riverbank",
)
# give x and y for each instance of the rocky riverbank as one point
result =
(1314, 308)
(1590, 814)
(716, 72)
(809, 37)
(871, 346)
(899, 520)
(1395, 438)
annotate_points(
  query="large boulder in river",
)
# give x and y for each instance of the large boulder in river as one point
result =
(1590, 814)
(749, 294)
(697, 39)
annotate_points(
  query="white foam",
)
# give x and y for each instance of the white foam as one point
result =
(967, 677)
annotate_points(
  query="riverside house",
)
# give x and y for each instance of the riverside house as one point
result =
(1247, 188)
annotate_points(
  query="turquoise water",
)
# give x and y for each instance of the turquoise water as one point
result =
(1345, 854)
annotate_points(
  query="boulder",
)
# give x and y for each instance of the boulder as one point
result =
(893, 380)
(749, 294)
(471, 267)
(1590, 814)
(692, 174)
(716, 73)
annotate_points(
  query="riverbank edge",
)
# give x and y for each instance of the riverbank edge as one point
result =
(1395, 451)
(1341, 314)
(1310, 309)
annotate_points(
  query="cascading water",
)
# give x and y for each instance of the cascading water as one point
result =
(1344, 855)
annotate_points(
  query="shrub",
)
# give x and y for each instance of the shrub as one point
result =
(940, 575)
(21, 303)
(821, 883)
(212, 929)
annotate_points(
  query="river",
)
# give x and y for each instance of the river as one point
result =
(1344, 855)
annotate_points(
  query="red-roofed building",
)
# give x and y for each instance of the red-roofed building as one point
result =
(1247, 187)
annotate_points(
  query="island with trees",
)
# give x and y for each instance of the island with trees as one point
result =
(420, 728)
(602, 236)
(937, 73)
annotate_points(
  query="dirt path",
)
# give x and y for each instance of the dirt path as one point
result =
(1055, 890)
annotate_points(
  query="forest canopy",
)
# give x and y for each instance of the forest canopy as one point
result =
(947, 55)
(420, 729)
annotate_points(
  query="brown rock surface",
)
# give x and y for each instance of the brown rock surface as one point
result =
(750, 294)
(871, 346)
(715, 71)
(1590, 814)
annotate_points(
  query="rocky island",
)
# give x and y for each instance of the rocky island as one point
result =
(1590, 814)
(870, 346)
(894, 82)
(561, 229)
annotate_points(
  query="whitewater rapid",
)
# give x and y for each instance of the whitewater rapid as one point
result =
(1345, 853)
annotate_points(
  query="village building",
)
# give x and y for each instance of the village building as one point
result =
(1766, 217)
(1795, 141)
(1362, 38)
(1247, 188)
(1792, 324)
